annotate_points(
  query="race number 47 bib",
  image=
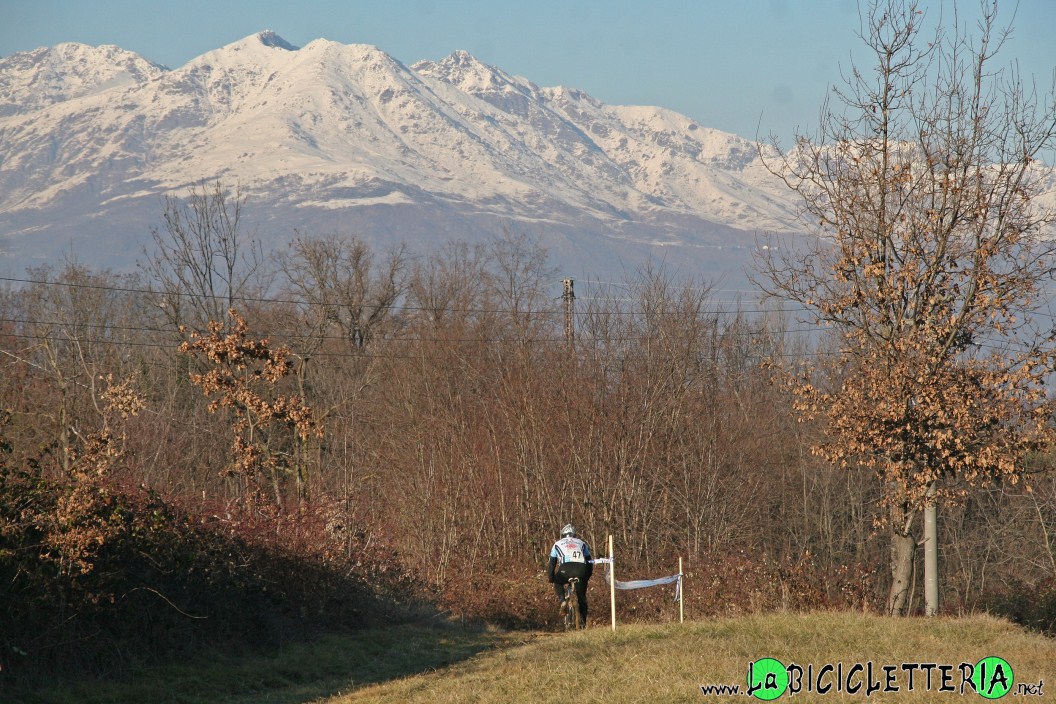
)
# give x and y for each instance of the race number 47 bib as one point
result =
(572, 550)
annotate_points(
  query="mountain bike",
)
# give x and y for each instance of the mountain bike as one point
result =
(573, 618)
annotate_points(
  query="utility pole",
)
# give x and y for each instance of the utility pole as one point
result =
(569, 298)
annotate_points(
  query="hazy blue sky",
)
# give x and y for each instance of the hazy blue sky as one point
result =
(733, 65)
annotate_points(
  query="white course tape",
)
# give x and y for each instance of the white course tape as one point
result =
(675, 579)
(643, 583)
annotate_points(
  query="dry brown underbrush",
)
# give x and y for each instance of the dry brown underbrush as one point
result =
(165, 580)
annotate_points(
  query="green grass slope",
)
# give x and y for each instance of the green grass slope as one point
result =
(669, 663)
(441, 663)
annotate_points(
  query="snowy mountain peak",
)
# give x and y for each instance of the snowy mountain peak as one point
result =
(461, 61)
(32, 80)
(257, 50)
(344, 137)
(462, 57)
(270, 38)
(470, 75)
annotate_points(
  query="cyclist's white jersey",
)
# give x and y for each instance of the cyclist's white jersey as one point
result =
(570, 550)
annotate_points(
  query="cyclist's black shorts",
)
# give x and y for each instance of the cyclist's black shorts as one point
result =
(566, 571)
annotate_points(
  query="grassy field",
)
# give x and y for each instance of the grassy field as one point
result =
(669, 663)
(658, 663)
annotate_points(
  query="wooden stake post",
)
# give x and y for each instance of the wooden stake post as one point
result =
(612, 585)
(681, 593)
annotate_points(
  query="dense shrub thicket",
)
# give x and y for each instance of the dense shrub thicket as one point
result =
(167, 582)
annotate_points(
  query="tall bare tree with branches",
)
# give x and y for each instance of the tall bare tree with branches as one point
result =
(930, 257)
(203, 264)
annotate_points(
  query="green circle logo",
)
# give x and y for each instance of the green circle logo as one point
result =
(767, 679)
(992, 677)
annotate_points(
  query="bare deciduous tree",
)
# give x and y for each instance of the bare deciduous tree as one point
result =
(75, 323)
(346, 299)
(343, 289)
(202, 264)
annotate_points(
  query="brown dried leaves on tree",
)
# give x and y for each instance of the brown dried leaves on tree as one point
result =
(82, 522)
(243, 377)
(930, 259)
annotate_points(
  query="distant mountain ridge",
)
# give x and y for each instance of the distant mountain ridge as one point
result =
(33, 80)
(334, 137)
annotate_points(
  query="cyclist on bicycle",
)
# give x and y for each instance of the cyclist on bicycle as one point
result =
(570, 557)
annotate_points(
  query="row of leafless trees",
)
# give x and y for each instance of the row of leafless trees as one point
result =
(460, 426)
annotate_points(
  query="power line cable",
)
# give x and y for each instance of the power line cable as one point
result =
(288, 335)
(395, 307)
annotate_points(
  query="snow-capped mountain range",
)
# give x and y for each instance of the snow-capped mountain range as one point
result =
(344, 138)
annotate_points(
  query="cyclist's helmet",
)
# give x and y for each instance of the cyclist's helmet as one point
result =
(568, 530)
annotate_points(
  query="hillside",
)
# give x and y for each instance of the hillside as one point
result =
(670, 663)
(639, 663)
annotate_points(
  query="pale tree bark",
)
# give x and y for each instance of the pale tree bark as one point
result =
(931, 554)
(903, 551)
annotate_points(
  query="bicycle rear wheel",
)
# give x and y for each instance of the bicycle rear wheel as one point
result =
(577, 617)
(573, 615)
(568, 615)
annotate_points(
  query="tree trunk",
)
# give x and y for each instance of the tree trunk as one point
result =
(931, 554)
(903, 546)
